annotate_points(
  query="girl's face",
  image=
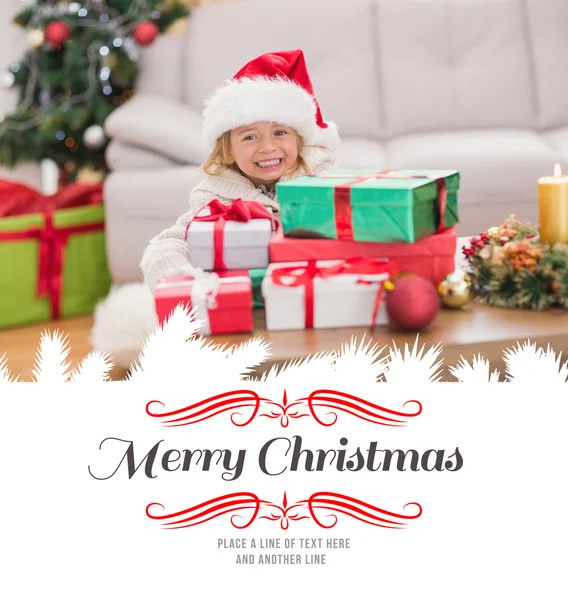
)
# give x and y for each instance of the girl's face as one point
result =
(264, 151)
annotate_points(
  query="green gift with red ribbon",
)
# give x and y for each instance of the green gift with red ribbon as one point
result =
(52, 253)
(369, 206)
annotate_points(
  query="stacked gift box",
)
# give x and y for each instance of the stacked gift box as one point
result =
(342, 235)
(52, 252)
(229, 250)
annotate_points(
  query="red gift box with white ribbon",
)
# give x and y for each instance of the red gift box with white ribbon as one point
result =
(222, 301)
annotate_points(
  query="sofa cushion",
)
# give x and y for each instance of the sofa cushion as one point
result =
(453, 65)
(558, 139)
(497, 166)
(161, 67)
(121, 156)
(360, 153)
(336, 37)
(547, 22)
(159, 124)
(138, 205)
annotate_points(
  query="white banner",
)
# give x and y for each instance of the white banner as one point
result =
(317, 480)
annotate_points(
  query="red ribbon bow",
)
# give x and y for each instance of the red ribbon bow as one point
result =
(342, 197)
(239, 211)
(305, 276)
(52, 239)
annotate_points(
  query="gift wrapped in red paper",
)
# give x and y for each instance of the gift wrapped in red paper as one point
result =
(52, 252)
(432, 257)
(222, 301)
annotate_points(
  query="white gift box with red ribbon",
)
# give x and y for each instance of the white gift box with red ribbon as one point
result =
(222, 301)
(234, 236)
(326, 293)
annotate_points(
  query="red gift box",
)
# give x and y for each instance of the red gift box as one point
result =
(432, 257)
(225, 308)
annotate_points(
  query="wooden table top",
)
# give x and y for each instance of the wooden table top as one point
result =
(466, 332)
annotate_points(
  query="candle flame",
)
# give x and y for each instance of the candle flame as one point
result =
(557, 170)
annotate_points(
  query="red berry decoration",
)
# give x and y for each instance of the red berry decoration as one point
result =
(145, 33)
(413, 303)
(57, 33)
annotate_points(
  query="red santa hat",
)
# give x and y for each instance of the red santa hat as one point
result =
(274, 88)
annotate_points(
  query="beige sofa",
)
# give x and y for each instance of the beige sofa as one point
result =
(476, 85)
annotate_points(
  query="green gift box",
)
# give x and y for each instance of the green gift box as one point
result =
(52, 266)
(367, 206)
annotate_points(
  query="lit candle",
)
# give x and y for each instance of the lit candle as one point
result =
(553, 207)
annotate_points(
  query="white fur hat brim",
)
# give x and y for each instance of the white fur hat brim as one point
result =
(273, 100)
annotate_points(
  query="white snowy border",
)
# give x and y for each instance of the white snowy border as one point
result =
(172, 350)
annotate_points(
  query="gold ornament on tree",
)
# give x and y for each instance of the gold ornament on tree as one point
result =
(88, 175)
(455, 290)
(35, 38)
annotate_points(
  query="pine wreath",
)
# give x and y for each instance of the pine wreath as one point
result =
(510, 267)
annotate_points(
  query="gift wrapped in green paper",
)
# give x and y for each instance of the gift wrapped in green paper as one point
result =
(367, 206)
(52, 253)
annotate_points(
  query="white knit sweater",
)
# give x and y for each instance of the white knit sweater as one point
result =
(167, 252)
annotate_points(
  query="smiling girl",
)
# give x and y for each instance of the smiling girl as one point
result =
(263, 126)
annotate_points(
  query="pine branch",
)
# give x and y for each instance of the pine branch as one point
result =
(51, 364)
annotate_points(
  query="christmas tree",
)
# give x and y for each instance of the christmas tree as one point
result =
(81, 64)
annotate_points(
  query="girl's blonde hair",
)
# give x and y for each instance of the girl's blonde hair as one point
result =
(220, 158)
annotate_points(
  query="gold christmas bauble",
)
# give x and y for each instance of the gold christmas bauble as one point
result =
(35, 38)
(88, 175)
(455, 290)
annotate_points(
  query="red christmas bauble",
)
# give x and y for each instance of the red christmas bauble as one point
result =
(57, 33)
(145, 33)
(413, 303)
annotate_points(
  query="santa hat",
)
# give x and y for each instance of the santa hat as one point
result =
(274, 88)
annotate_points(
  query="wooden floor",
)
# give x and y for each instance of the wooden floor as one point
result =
(20, 345)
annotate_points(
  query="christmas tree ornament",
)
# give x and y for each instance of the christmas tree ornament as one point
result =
(8, 79)
(57, 33)
(35, 38)
(413, 303)
(145, 33)
(94, 137)
(88, 175)
(455, 290)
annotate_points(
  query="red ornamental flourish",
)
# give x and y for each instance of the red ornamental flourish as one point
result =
(322, 405)
(328, 503)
